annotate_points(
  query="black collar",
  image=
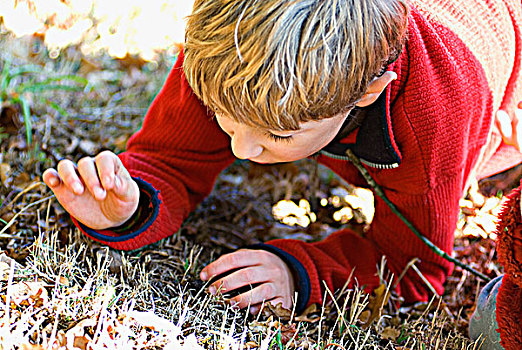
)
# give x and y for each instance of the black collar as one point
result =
(374, 143)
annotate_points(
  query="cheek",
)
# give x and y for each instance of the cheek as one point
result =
(223, 126)
(299, 149)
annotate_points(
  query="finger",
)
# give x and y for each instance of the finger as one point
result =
(69, 176)
(504, 125)
(239, 259)
(89, 175)
(257, 295)
(241, 278)
(123, 186)
(51, 178)
(254, 310)
(107, 168)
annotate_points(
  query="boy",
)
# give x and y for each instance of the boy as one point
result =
(411, 89)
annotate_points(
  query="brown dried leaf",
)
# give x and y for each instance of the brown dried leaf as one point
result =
(309, 314)
(288, 331)
(4, 172)
(364, 316)
(9, 119)
(278, 311)
(87, 66)
(380, 297)
(251, 345)
(132, 61)
(31, 347)
(390, 333)
(81, 342)
(22, 181)
(29, 294)
(121, 141)
(150, 320)
(77, 337)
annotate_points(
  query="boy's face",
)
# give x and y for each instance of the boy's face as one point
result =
(265, 146)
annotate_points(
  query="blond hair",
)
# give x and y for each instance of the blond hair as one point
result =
(276, 63)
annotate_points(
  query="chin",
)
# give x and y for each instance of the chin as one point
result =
(271, 161)
(263, 161)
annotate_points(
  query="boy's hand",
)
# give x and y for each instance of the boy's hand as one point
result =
(270, 277)
(511, 129)
(98, 192)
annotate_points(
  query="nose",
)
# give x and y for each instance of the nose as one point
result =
(245, 146)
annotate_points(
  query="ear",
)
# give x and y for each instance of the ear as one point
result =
(375, 88)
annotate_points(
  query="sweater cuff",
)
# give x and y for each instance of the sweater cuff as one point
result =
(146, 214)
(303, 285)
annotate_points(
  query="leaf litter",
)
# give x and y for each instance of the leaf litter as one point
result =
(59, 290)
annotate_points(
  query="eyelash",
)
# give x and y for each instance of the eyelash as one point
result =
(278, 138)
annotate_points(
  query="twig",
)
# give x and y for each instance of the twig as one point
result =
(27, 189)
(425, 280)
(12, 221)
(379, 191)
(408, 265)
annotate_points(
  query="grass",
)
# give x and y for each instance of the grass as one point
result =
(60, 290)
(19, 84)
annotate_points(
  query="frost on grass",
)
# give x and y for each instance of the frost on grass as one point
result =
(62, 299)
(68, 298)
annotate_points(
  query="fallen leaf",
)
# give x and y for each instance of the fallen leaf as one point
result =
(22, 181)
(9, 119)
(288, 332)
(153, 321)
(4, 173)
(31, 347)
(64, 281)
(29, 294)
(390, 333)
(278, 311)
(251, 345)
(377, 300)
(77, 337)
(131, 61)
(310, 314)
(121, 141)
(87, 66)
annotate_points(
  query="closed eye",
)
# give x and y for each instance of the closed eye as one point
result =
(278, 138)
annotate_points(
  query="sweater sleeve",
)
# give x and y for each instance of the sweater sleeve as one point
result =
(175, 157)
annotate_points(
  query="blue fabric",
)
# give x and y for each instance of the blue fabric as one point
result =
(483, 322)
(150, 202)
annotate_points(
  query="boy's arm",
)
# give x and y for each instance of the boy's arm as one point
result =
(330, 262)
(175, 158)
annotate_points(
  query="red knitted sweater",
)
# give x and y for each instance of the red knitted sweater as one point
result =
(461, 63)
